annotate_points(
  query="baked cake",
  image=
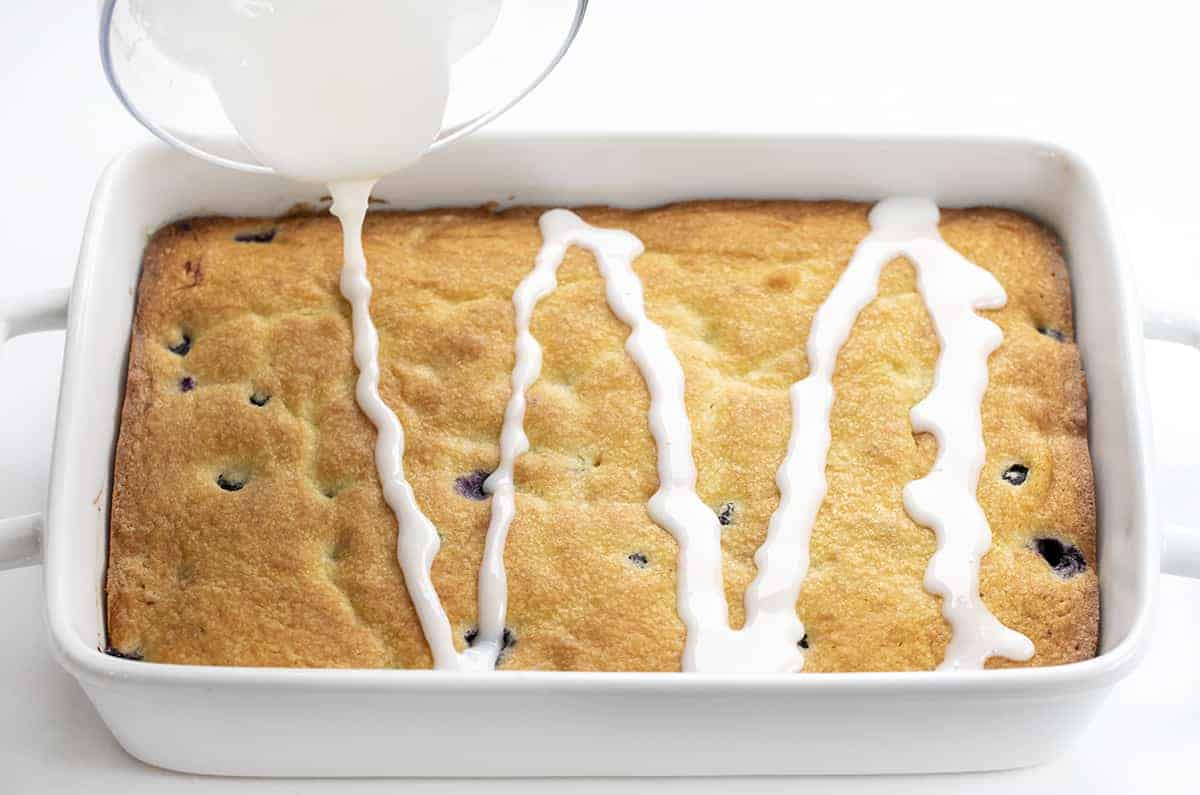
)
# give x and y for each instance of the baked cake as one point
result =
(248, 523)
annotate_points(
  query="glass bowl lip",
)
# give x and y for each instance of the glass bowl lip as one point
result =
(444, 136)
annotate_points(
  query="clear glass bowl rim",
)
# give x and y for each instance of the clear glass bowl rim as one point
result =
(444, 137)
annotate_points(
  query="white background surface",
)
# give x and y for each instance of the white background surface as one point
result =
(1116, 85)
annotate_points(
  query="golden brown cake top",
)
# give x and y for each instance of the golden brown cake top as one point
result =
(248, 525)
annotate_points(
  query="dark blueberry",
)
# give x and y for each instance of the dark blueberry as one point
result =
(184, 226)
(182, 347)
(194, 269)
(1016, 474)
(187, 384)
(259, 398)
(136, 654)
(1052, 333)
(638, 559)
(803, 641)
(1066, 560)
(231, 482)
(507, 641)
(471, 486)
(264, 236)
(339, 549)
(725, 515)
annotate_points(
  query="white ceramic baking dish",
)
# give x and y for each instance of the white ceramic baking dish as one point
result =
(367, 722)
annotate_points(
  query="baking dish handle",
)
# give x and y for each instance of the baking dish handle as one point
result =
(20, 536)
(1181, 544)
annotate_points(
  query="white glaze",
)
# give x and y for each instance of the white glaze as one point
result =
(769, 641)
(944, 500)
(711, 644)
(527, 366)
(675, 505)
(417, 540)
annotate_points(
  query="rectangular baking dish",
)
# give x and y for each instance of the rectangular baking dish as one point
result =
(287, 722)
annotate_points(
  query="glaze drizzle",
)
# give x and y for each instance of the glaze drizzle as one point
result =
(417, 540)
(770, 641)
